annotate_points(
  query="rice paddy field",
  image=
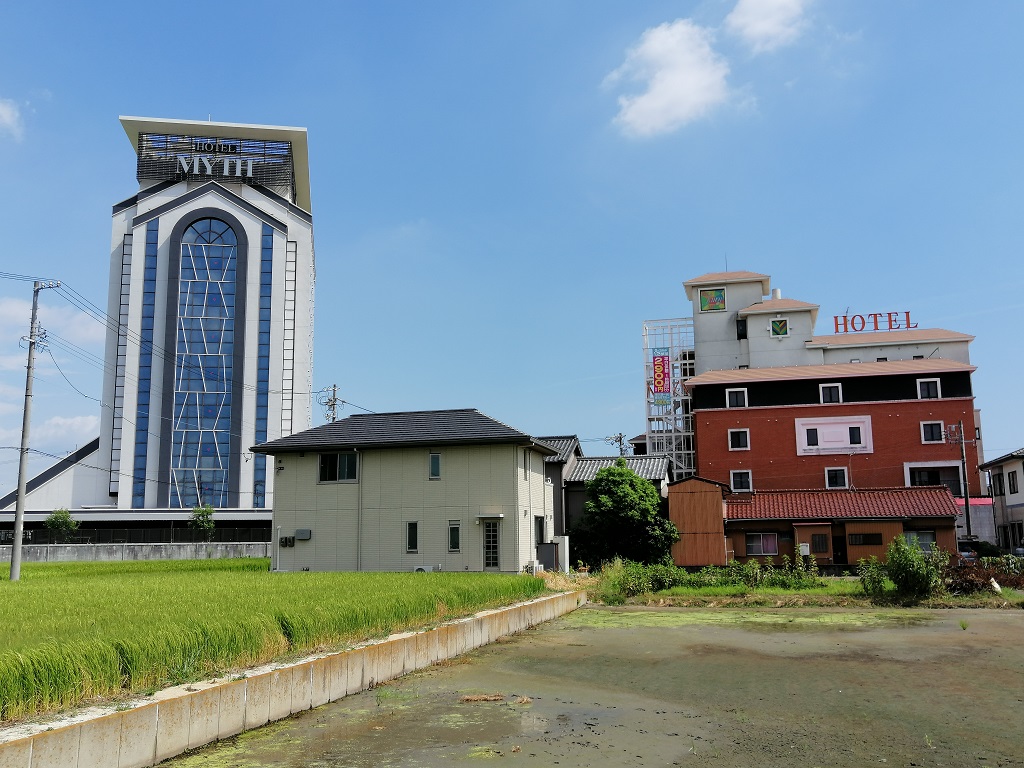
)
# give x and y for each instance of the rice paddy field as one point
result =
(71, 632)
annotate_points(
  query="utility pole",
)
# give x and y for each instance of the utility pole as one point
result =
(956, 435)
(620, 440)
(330, 403)
(19, 507)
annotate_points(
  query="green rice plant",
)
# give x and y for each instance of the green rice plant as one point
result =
(141, 625)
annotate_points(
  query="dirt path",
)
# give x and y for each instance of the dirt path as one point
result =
(646, 687)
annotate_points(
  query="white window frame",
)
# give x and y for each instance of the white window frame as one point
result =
(834, 435)
(750, 480)
(431, 474)
(730, 390)
(846, 478)
(942, 430)
(771, 328)
(938, 389)
(746, 439)
(821, 392)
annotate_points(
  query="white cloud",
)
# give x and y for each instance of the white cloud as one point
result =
(685, 79)
(765, 25)
(10, 119)
(59, 432)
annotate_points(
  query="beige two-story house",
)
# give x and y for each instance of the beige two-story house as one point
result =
(451, 490)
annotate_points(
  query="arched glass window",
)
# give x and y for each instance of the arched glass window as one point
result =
(203, 365)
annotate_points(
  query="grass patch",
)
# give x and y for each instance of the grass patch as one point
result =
(764, 620)
(136, 626)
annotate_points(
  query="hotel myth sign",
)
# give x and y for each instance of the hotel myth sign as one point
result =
(199, 158)
(876, 321)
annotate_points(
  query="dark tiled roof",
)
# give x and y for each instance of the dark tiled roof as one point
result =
(1018, 454)
(566, 445)
(648, 467)
(847, 504)
(392, 430)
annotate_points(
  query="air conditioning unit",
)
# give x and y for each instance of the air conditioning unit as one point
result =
(422, 569)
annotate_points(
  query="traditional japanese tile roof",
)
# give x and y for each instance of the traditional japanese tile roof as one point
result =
(1012, 456)
(648, 467)
(776, 305)
(566, 445)
(830, 371)
(881, 338)
(930, 501)
(465, 426)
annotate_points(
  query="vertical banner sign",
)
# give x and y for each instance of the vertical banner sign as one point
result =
(661, 387)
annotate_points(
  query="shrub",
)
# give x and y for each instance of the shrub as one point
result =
(61, 524)
(916, 574)
(202, 521)
(872, 576)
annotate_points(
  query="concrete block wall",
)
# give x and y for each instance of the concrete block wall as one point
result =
(65, 553)
(186, 717)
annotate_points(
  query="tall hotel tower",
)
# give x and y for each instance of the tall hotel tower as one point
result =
(211, 282)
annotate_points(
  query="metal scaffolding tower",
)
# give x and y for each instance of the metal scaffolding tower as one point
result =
(668, 363)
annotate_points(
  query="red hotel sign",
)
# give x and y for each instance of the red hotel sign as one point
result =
(876, 321)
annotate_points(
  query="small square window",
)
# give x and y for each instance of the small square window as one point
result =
(931, 432)
(735, 398)
(434, 471)
(780, 327)
(412, 536)
(928, 389)
(831, 393)
(819, 543)
(739, 439)
(855, 436)
(812, 437)
(835, 477)
(741, 482)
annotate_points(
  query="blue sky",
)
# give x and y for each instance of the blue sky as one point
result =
(504, 192)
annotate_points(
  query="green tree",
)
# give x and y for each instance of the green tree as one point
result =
(623, 517)
(202, 521)
(61, 524)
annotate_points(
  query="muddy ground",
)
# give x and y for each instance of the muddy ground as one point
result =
(652, 687)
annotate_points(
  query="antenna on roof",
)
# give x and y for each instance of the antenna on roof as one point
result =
(726, 261)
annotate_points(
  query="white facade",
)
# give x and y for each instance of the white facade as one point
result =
(496, 497)
(211, 279)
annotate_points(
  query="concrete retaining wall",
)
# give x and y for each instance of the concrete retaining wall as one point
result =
(64, 553)
(190, 716)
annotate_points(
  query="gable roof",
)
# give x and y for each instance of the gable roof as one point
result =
(930, 501)
(776, 305)
(566, 445)
(648, 467)
(463, 426)
(1012, 456)
(829, 371)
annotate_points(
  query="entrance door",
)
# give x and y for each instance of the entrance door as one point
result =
(839, 549)
(491, 545)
